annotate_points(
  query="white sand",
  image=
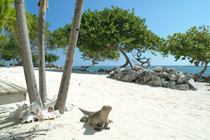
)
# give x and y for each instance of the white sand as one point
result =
(139, 111)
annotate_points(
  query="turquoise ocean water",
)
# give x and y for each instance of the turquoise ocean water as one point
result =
(185, 69)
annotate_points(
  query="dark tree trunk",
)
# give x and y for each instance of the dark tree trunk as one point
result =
(94, 61)
(205, 68)
(65, 81)
(126, 57)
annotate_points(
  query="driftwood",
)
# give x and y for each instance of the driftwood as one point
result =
(140, 61)
(94, 61)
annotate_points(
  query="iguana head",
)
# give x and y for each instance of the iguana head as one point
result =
(106, 109)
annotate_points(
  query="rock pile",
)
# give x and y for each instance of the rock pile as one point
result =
(54, 66)
(104, 70)
(160, 76)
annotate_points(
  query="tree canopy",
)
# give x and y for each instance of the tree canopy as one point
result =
(193, 45)
(104, 34)
(49, 57)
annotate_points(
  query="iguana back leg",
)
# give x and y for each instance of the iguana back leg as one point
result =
(84, 119)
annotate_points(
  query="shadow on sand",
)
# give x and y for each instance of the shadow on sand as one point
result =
(75, 71)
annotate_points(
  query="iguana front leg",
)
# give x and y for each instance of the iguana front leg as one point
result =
(107, 123)
(97, 128)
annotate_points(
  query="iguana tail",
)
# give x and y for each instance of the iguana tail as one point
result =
(85, 112)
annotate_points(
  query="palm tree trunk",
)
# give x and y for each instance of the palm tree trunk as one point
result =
(126, 57)
(41, 36)
(26, 53)
(3, 44)
(65, 81)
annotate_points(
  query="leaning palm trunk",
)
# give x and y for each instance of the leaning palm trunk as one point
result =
(41, 36)
(3, 44)
(26, 53)
(65, 81)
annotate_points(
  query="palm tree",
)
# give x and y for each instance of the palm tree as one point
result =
(64, 85)
(26, 52)
(41, 37)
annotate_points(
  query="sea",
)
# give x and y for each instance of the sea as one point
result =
(185, 69)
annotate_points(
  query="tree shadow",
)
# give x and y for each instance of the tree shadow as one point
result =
(75, 71)
(6, 123)
(24, 135)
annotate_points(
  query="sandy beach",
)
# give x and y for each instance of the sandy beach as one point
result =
(139, 111)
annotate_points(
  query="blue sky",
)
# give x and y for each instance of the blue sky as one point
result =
(163, 17)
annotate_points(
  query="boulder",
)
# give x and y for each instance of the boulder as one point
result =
(208, 79)
(201, 79)
(192, 84)
(137, 68)
(170, 70)
(130, 76)
(163, 75)
(156, 81)
(169, 84)
(182, 78)
(148, 75)
(158, 69)
(165, 69)
(181, 87)
(172, 77)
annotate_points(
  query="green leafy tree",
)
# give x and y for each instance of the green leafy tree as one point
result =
(51, 58)
(7, 20)
(34, 58)
(193, 45)
(11, 50)
(104, 34)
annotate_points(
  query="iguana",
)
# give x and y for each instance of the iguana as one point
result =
(99, 119)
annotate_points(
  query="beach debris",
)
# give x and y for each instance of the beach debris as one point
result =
(35, 112)
(99, 119)
(20, 112)
(29, 117)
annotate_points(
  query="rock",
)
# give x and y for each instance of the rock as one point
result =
(137, 68)
(163, 75)
(158, 69)
(157, 81)
(118, 70)
(148, 75)
(48, 66)
(104, 70)
(201, 79)
(114, 68)
(192, 84)
(170, 70)
(208, 79)
(197, 76)
(160, 77)
(169, 84)
(182, 79)
(60, 67)
(164, 69)
(131, 76)
(54, 65)
(182, 86)
(172, 77)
